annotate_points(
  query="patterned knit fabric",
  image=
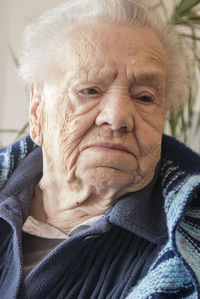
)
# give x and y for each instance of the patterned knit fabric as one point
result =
(11, 156)
(167, 277)
(176, 270)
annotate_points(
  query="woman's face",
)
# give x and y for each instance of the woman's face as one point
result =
(103, 124)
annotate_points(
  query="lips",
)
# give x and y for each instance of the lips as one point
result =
(110, 146)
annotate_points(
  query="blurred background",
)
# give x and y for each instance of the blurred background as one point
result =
(15, 15)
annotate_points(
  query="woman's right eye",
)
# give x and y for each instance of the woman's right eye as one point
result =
(89, 91)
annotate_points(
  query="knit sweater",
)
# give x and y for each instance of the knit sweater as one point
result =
(128, 237)
(176, 271)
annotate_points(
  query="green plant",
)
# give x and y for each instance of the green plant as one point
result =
(185, 17)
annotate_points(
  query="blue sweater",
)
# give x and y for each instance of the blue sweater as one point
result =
(175, 273)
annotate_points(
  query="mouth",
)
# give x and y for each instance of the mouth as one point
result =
(109, 147)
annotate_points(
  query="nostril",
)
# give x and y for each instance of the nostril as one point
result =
(116, 114)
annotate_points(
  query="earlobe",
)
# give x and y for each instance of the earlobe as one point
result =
(35, 114)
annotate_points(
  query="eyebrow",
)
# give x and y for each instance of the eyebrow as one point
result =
(149, 78)
(152, 79)
(95, 76)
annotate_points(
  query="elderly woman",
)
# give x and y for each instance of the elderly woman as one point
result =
(98, 203)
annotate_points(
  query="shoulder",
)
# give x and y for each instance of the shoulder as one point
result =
(180, 175)
(180, 155)
(11, 156)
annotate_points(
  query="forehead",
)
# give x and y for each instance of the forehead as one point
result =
(96, 49)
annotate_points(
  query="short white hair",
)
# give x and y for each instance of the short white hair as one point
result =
(45, 39)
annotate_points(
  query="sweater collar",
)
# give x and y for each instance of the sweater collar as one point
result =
(142, 212)
(18, 191)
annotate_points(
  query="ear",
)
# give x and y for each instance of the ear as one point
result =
(35, 114)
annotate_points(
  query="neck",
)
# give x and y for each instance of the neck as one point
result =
(65, 201)
(66, 205)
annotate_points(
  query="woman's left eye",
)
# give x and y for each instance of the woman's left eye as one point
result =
(90, 91)
(145, 98)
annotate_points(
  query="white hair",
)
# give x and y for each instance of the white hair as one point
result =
(44, 41)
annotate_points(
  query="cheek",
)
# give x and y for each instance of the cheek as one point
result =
(148, 132)
(66, 125)
(68, 116)
(75, 122)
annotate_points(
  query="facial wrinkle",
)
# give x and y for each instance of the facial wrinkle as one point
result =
(72, 129)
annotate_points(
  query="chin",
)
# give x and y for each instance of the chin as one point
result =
(106, 178)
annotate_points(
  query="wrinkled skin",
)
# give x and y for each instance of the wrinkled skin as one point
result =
(101, 128)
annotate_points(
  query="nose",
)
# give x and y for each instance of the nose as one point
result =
(117, 112)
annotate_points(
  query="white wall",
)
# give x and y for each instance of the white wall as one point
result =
(14, 17)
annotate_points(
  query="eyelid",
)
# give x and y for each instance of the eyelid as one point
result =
(81, 87)
(142, 90)
(81, 92)
(145, 94)
(93, 87)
